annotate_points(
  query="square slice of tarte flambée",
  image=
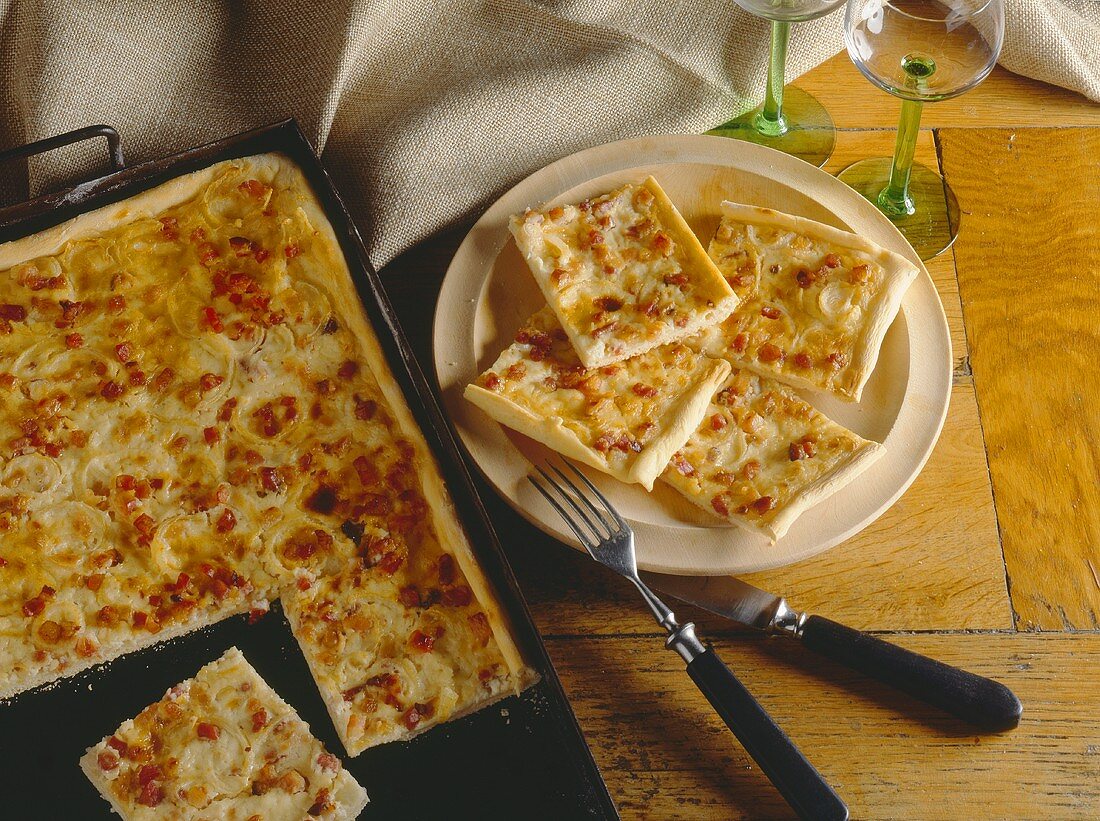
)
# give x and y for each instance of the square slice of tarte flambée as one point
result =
(762, 456)
(626, 419)
(816, 301)
(221, 746)
(195, 415)
(622, 272)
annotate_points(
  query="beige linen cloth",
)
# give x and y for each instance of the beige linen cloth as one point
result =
(425, 110)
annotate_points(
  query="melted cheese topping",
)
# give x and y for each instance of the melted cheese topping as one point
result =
(187, 426)
(759, 446)
(805, 304)
(617, 411)
(621, 276)
(222, 745)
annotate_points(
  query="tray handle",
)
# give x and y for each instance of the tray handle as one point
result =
(114, 144)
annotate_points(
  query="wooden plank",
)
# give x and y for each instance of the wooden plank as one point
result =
(922, 566)
(1004, 99)
(852, 146)
(665, 754)
(1027, 265)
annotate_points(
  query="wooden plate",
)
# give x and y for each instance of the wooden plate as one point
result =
(489, 292)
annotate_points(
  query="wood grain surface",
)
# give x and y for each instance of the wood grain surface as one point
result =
(1029, 271)
(1001, 577)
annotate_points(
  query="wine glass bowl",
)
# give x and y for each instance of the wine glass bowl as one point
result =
(920, 51)
(789, 11)
(926, 50)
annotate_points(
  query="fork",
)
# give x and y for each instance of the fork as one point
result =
(610, 541)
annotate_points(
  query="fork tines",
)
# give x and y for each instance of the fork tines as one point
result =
(606, 515)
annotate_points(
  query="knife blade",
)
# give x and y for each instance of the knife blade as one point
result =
(724, 595)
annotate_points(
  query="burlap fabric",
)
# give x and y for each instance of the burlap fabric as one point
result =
(425, 109)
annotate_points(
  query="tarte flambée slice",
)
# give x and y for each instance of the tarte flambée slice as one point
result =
(221, 745)
(626, 419)
(762, 456)
(816, 301)
(395, 654)
(622, 272)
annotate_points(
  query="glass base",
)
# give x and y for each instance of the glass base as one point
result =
(810, 133)
(934, 224)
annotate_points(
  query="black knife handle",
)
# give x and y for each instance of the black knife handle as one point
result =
(780, 760)
(980, 701)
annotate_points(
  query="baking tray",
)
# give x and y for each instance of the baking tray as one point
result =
(524, 757)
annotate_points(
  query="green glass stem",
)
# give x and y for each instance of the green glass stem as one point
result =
(895, 200)
(770, 121)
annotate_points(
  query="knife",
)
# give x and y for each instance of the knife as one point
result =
(980, 701)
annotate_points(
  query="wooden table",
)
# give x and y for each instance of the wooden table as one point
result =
(991, 561)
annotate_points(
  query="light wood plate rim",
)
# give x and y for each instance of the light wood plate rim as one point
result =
(699, 550)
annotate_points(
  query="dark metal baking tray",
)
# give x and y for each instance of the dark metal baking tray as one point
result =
(522, 758)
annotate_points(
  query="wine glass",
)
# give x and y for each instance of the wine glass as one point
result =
(921, 51)
(789, 120)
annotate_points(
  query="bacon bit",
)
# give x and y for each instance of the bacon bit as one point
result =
(124, 352)
(85, 647)
(107, 616)
(421, 641)
(559, 276)
(412, 717)
(225, 413)
(259, 720)
(763, 504)
(596, 332)
(137, 378)
(156, 483)
(241, 246)
(163, 379)
(479, 625)
(322, 804)
(750, 470)
(124, 481)
(13, 313)
(140, 618)
(256, 613)
(348, 369)
(211, 435)
(182, 580)
(209, 381)
(151, 794)
(445, 568)
(111, 390)
(365, 408)
(831, 261)
(74, 341)
(271, 480)
(805, 278)
(720, 504)
(116, 304)
(770, 353)
(292, 250)
(491, 381)
(254, 188)
(680, 462)
(803, 449)
(740, 342)
(322, 501)
(643, 390)
(802, 360)
(663, 243)
(459, 596)
(212, 319)
(679, 280)
(49, 632)
(608, 303)
(226, 522)
(149, 773)
(770, 311)
(409, 596)
(651, 308)
(107, 760)
(117, 744)
(718, 421)
(838, 360)
(94, 581)
(145, 524)
(327, 761)
(858, 275)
